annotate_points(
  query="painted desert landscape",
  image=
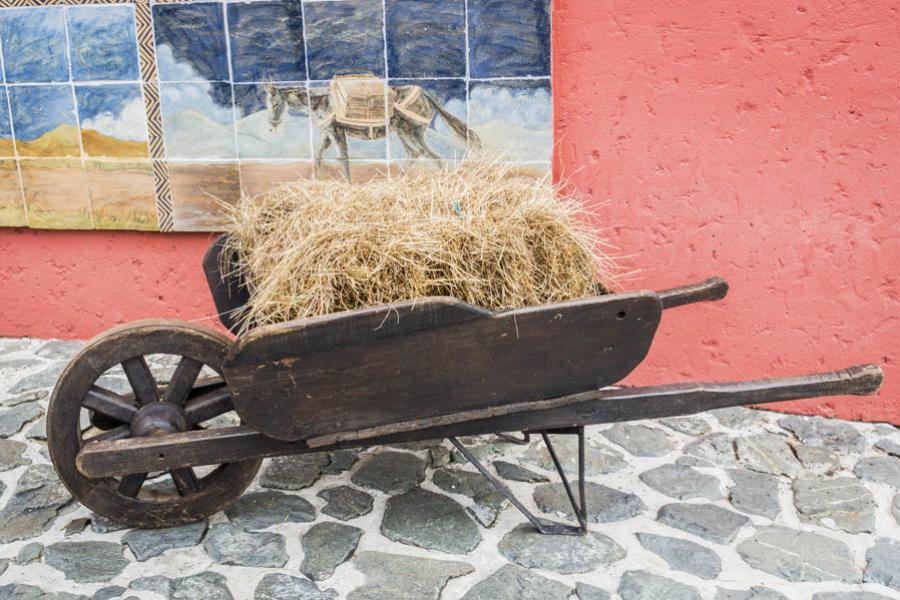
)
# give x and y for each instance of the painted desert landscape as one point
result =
(56, 193)
(122, 194)
(12, 206)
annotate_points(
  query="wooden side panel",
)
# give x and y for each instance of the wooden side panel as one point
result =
(434, 357)
(229, 293)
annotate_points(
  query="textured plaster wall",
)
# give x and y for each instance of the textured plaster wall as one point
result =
(758, 141)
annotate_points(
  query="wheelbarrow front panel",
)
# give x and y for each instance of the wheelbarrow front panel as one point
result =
(376, 367)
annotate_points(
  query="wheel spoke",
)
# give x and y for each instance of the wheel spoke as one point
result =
(109, 404)
(141, 380)
(208, 405)
(131, 484)
(205, 384)
(119, 433)
(185, 480)
(182, 380)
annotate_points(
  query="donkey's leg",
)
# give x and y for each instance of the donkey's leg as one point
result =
(401, 128)
(340, 136)
(324, 144)
(418, 137)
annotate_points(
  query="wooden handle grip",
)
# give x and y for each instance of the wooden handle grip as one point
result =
(714, 288)
(862, 380)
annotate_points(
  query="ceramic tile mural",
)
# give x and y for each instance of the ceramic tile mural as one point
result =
(149, 114)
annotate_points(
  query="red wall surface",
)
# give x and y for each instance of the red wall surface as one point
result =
(753, 140)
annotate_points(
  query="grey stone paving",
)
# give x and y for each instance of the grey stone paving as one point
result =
(735, 504)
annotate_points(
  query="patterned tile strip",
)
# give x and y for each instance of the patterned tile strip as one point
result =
(147, 60)
(164, 208)
(146, 47)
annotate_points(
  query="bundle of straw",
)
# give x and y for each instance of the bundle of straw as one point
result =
(480, 232)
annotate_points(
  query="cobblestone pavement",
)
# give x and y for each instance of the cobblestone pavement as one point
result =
(732, 504)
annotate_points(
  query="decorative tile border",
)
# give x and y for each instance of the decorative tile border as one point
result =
(476, 71)
(147, 62)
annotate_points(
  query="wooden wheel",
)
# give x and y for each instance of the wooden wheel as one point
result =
(186, 400)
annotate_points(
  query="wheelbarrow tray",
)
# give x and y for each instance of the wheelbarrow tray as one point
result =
(382, 370)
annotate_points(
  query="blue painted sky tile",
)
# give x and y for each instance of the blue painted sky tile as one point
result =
(190, 42)
(102, 43)
(513, 118)
(117, 112)
(198, 120)
(5, 127)
(344, 37)
(509, 38)
(426, 38)
(450, 94)
(267, 41)
(43, 118)
(41, 108)
(262, 133)
(34, 44)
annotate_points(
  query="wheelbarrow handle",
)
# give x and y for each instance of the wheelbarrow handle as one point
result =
(713, 288)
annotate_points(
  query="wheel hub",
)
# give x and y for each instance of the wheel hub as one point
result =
(158, 418)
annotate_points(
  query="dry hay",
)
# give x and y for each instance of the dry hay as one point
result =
(480, 232)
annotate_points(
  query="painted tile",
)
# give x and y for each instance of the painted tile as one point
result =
(44, 121)
(509, 38)
(6, 136)
(445, 136)
(190, 42)
(102, 45)
(362, 143)
(361, 171)
(513, 118)
(344, 37)
(258, 177)
(34, 45)
(12, 207)
(426, 38)
(113, 121)
(197, 190)
(122, 194)
(267, 41)
(535, 170)
(198, 120)
(401, 167)
(56, 193)
(272, 121)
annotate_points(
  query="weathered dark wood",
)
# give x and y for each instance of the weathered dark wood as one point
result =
(182, 381)
(213, 403)
(185, 480)
(110, 404)
(714, 288)
(434, 357)
(357, 435)
(229, 291)
(131, 484)
(195, 448)
(141, 379)
(76, 389)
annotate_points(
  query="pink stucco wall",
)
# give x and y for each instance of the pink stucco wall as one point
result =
(757, 141)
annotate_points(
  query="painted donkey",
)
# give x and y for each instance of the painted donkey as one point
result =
(410, 111)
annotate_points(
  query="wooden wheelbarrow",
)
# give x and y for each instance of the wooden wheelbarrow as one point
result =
(427, 369)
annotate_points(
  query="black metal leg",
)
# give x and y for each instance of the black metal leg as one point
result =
(580, 507)
(524, 440)
(544, 526)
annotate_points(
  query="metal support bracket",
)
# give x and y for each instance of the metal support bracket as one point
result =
(544, 526)
(522, 441)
